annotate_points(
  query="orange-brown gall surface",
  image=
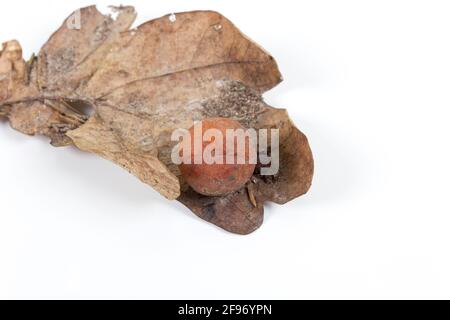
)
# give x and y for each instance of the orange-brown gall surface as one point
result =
(217, 178)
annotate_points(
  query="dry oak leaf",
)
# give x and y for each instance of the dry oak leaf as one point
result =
(143, 84)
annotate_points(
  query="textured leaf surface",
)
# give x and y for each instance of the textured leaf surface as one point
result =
(143, 84)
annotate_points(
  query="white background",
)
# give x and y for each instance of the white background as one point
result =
(367, 81)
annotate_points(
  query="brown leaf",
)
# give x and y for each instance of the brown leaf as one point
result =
(143, 84)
